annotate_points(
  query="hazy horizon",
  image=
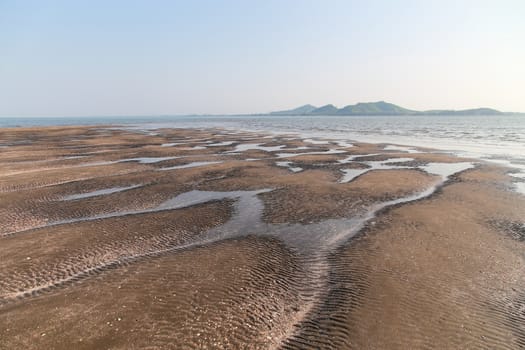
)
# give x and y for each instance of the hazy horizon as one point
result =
(123, 58)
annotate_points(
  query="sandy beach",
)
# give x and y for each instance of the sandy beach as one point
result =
(120, 238)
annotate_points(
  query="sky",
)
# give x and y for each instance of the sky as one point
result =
(111, 57)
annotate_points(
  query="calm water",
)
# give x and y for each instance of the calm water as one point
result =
(499, 138)
(503, 135)
(50, 121)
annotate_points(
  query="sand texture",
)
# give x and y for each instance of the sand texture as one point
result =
(122, 238)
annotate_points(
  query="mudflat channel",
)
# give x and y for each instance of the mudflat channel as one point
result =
(115, 238)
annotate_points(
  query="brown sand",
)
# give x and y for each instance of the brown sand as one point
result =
(444, 272)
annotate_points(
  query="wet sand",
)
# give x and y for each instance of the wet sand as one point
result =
(187, 239)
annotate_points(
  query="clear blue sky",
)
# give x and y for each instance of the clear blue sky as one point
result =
(66, 58)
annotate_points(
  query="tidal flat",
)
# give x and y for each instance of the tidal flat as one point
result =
(115, 238)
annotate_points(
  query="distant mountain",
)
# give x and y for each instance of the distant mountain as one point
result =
(374, 108)
(297, 111)
(380, 108)
(476, 111)
(325, 110)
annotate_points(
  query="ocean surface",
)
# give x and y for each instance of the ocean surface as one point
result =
(499, 139)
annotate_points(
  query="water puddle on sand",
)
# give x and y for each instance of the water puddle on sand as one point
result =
(518, 169)
(289, 166)
(190, 165)
(147, 160)
(344, 144)
(221, 144)
(73, 157)
(351, 174)
(520, 187)
(97, 193)
(401, 149)
(316, 142)
(354, 157)
(445, 170)
(291, 155)
(255, 146)
(172, 144)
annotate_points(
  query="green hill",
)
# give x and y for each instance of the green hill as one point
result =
(297, 111)
(325, 110)
(476, 111)
(379, 108)
(374, 108)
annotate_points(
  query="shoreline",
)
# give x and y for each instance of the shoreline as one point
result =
(513, 160)
(332, 254)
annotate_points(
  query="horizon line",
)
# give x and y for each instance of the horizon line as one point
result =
(247, 114)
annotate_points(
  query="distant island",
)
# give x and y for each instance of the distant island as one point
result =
(380, 108)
